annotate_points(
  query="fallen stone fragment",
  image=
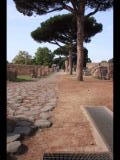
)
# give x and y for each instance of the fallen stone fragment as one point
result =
(13, 146)
(42, 123)
(12, 138)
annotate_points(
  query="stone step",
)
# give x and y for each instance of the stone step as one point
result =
(103, 120)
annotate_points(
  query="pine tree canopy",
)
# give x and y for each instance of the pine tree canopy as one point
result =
(62, 28)
(39, 7)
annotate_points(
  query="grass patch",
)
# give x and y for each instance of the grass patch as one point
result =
(27, 78)
(23, 78)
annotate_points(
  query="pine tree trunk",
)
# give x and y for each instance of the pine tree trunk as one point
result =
(80, 39)
(70, 61)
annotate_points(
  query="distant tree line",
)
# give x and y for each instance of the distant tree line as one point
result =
(44, 56)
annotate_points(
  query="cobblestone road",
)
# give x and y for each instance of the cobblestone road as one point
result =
(27, 99)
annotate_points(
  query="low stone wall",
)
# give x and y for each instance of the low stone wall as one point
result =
(32, 70)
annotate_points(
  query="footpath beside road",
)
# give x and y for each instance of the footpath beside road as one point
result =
(71, 131)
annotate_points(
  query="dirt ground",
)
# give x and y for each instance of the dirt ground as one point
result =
(71, 130)
(91, 91)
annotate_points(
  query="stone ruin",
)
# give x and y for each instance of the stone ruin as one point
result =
(110, 71)
(32, 70)
(103, 70)
(100, 70)
(11, 74)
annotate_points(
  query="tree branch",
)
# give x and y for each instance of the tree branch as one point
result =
(51, 42)
(74, 5)
(64, 36)
(56, 43)
(67, 7)
(56, 9)
(62, 41)
(92, 13)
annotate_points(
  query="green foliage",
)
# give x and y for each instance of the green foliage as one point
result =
(85, 58)
(44, 56)
(102, 5)
(59, 61)
(40, 7)
(62, 28)
(23, 57)
(23, 78)
(34, 61)
(89, 60)
(64, 50)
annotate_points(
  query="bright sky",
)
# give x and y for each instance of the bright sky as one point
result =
(19, 28)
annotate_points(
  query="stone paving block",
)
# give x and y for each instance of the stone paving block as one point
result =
(23, 123)
(13, 146)
(47, 108)
(23, 130)
(12, 137)
(45, 115)
(42, 123)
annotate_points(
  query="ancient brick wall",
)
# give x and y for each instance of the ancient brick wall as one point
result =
(91, 65)
(36, 70)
